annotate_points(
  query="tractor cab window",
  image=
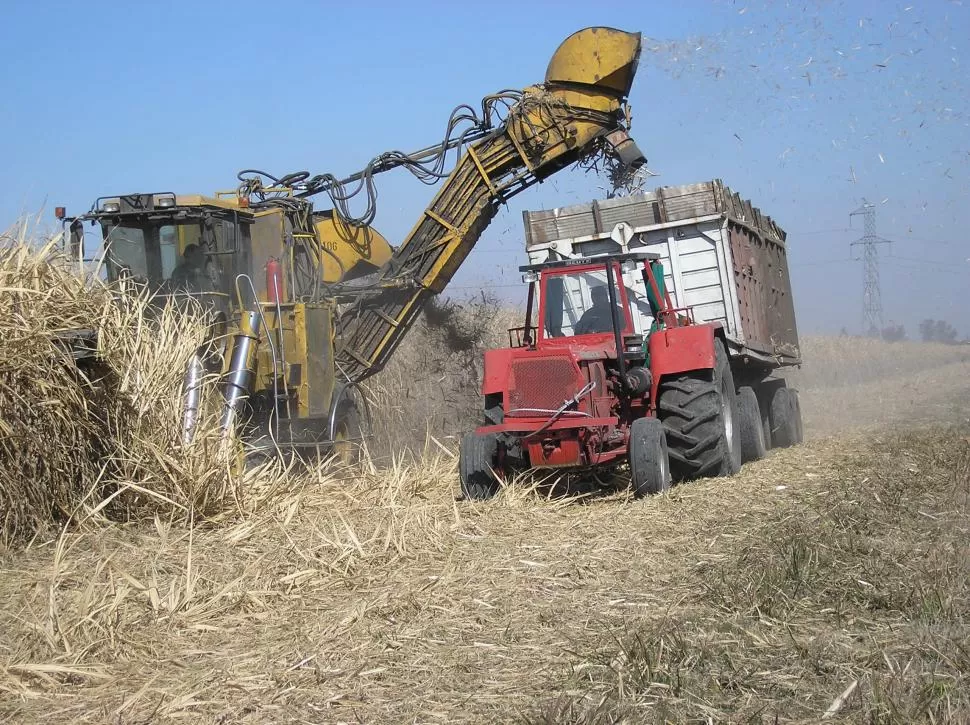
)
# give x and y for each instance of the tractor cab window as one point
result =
(578, 303)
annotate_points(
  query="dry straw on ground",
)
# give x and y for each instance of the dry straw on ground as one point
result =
(381, 599)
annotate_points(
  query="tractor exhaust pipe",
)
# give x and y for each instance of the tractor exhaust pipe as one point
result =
(242, 369)
(192, 396)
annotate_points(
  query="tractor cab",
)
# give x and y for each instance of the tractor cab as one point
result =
(587, 303)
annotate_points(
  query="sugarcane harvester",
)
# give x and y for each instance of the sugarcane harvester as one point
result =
(311, 303)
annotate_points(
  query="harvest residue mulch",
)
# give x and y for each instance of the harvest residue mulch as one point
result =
(381, 598)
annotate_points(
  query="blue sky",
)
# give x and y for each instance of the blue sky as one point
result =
(804, 107)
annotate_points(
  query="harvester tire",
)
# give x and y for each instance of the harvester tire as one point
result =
(700, 415)
(348, 434)
(476, 466)
(649, 463)
(786, 418)
(753, 446)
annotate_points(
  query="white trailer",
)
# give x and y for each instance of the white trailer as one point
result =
(724, 261)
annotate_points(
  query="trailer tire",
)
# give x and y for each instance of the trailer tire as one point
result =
(751, 423)
(786, 418)
(649, 462)
(700, 415)
(766, 424)
(476, 466)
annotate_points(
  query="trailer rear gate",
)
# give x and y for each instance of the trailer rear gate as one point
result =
(722, 257)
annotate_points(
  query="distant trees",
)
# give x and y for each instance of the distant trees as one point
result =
(894, 333)
(937, 331)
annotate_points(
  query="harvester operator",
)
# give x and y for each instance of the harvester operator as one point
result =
(190, 274)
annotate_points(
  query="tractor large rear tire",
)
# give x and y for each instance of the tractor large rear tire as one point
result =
(786, 418)
(700, 414)
(753, 446)
(649, 463)
(477, 464)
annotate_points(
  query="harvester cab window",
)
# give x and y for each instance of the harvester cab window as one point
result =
(168, 244)
(129, 256)
(157, 255)
(577, 303)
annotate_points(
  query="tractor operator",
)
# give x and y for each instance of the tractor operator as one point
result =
(598, 317)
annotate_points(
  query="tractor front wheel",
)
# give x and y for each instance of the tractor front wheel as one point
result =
(649, 463)
(700, 414)
(477, 462)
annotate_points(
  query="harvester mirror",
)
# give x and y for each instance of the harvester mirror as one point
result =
(77, 237)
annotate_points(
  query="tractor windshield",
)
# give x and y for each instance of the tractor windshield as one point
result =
(578, 303)
(170, 255)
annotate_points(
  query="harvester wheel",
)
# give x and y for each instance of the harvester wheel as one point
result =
(348, 434)
(752, 426)
(476, 465)
(700, 415)
(786, 418)
(649, 464)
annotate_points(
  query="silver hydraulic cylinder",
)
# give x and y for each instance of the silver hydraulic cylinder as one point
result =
(238, 382)
(192, 397)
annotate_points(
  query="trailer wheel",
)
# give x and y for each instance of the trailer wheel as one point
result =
(766, 424)
(753, 447)
(700, 414)
(476, 466)
(786, 418)
(649, 463)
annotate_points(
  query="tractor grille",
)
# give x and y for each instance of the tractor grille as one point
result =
(541, 383)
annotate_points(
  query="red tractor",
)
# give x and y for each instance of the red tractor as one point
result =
(582, 390)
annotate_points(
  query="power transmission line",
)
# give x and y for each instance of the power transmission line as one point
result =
(872, 294)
